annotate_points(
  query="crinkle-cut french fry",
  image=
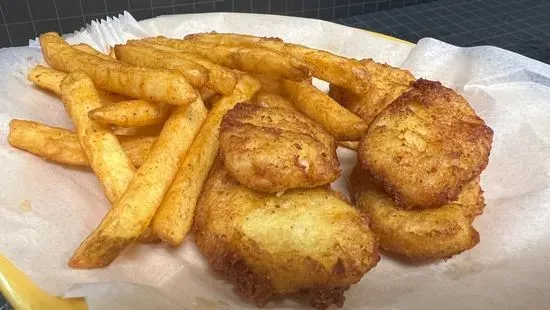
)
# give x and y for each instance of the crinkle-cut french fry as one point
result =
(220, 79)
(131, 113)
(143, 56)
(337, 120)
(61, 145)
(175, 215)
(105, 154)
(338, 70)
(156, 85)
(131, 215)
(249, 59)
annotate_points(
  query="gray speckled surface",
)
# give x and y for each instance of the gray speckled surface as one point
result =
(521, 26)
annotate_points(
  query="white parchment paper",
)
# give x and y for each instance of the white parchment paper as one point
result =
(47, 209)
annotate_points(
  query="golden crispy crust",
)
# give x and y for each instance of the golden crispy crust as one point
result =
(425, 146)
(275, 149)
(419, 234)
(387, 84)
(303, 242)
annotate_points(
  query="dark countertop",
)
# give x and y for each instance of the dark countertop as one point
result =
(521, 26)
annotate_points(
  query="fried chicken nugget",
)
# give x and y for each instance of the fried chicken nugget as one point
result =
(275, 149)
(419, 234)
(387, 83)
(307, 242)
(425, 146)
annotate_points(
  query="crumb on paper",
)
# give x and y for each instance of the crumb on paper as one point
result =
(25, 205)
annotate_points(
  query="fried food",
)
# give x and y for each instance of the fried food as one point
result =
(350, 145)
(131, 113)
(47, 78)
(50, 79)
(334, 118)
(143, 56)
(419, 234)
(271, 100)
(152, 130)
(425, 146)
(112, 53)
(275, 149)
(143, 83)
(271, 85)
(175, 215)
(307, 242)
(90, 50)
(248, 59)
(62, 146)
(341, 71)
(131, 214)
(117, 109)
(105, 154)
(220, 79)
(387, 83)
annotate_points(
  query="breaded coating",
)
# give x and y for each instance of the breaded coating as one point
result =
(275, 149)
(425, 146)
(308, 242)
(419, 234)
(387, 84)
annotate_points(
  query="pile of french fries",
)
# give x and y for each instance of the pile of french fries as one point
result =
(147, 117)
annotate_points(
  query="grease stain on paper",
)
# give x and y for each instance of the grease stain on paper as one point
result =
(25, 205)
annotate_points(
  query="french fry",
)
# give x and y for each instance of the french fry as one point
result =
(143, 56)
(270, 84)
(50, 79)
(144, 83)
(137, 147)
(341, 71)
(148, 236)
(220, 79)
(131, 215)
(337, 120)
(271, 100)
(206, 93)
(61, 145)
(105, 154)
(209, 97)
(112, 53)
(83, 47)
(175, 215)
(117, 110)
(350, 145)
(131, 113)
(47, 78)
(249, 59)
(151, 130)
